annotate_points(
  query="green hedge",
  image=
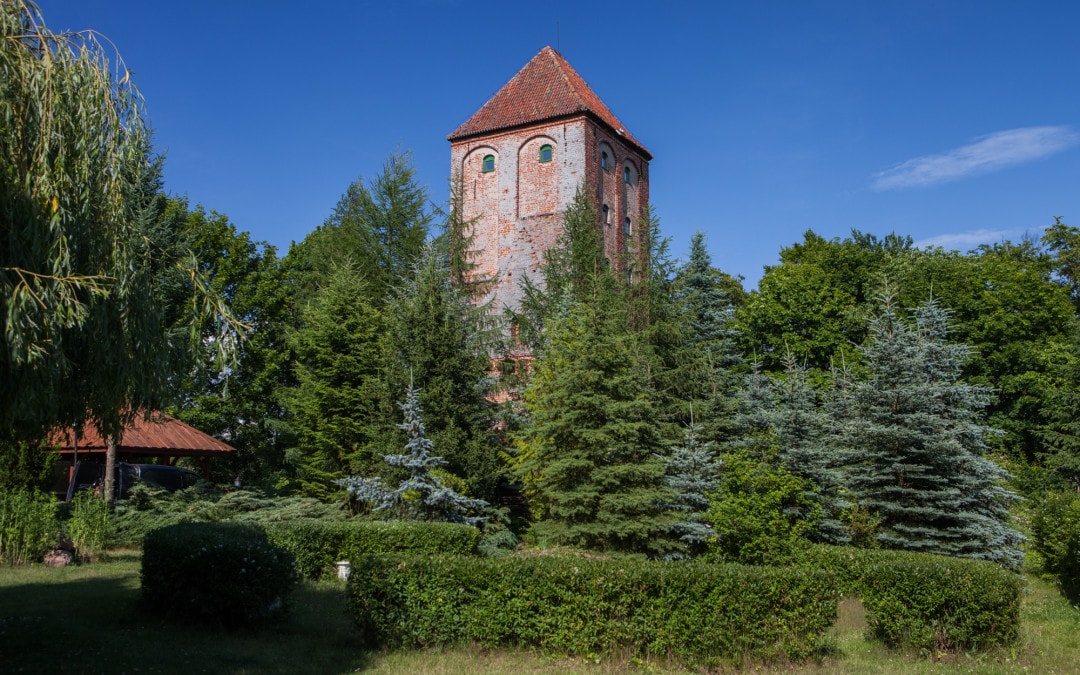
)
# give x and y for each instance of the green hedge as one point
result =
(696, 613)
(317, 545)
(216, 573)
(943, 605)
(927, 601)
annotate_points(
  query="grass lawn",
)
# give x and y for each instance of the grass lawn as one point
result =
(87, 619)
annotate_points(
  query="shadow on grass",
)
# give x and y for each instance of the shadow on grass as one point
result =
(90, 619)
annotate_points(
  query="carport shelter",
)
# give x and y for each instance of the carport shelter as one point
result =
(159, 439)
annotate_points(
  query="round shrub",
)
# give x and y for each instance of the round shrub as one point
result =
(216, 573)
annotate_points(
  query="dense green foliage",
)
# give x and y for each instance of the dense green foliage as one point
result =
(149, 508)
(692, 474)
(942, 605)
(220, 575)
(85, 251)
(589, 456)
(1055, 534)
(318, 544)
(89, 525)
(337, 403)
(28, 525)
(926, 601)
(1006, 303)
(761, 514)
(697, 614)
(439, 342)
(247, 406)
(26, 465)
(370, 324)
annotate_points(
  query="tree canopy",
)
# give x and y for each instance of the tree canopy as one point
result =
(83, 257)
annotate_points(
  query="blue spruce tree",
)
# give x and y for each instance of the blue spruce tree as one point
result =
(785, 425)
(693, 473)
(421, 496)
(917, 433)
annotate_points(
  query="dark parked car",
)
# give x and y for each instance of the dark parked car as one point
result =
(92, 475)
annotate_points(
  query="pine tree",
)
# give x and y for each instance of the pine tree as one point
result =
(421, 496)
(650, 291)
(783, 424)
(590, 460)
(712, 374)
(575, 271)
(459, 239)
(693, 473)
(711, 310)
(435, 334)
(917, 438)
(380, 227)
(336, 406)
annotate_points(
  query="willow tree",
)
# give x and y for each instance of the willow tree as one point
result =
(85, 337)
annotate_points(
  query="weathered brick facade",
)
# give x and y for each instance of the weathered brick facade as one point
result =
(542, 135)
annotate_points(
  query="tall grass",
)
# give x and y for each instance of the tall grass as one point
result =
(27, 525)
(89, 527)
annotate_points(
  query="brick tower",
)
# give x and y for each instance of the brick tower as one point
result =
(520, 159)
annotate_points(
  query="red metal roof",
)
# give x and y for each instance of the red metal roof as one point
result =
(159, 435)
(547, 88)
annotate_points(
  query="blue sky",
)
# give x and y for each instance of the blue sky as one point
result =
(953, 122)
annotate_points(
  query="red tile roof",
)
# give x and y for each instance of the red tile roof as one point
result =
(160, 435)
(547, 88)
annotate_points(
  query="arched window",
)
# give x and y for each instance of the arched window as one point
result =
(545, 153)
(626, 228)
(489, 163)
(603, 161)
(607, 215)
(626, 175)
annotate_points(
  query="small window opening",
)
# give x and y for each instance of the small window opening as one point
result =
(545, 153)
(603, 161)
(489, 163)
(626, 175)
(607, 215)
(626, 228)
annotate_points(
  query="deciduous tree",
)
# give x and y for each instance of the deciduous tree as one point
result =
(85, 336)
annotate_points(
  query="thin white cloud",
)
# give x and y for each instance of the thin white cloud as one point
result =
(988, 153)
(965, 241)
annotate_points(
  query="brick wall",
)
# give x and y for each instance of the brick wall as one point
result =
(518, 207)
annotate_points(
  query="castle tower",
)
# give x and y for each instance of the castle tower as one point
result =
(520, 159)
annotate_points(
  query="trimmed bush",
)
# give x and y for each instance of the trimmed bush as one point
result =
(28, 525)
(943, 605)
(696, 613)
(927, 601)
(851, 565)
(317, 545)
(1055, 528)
(216, 573)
